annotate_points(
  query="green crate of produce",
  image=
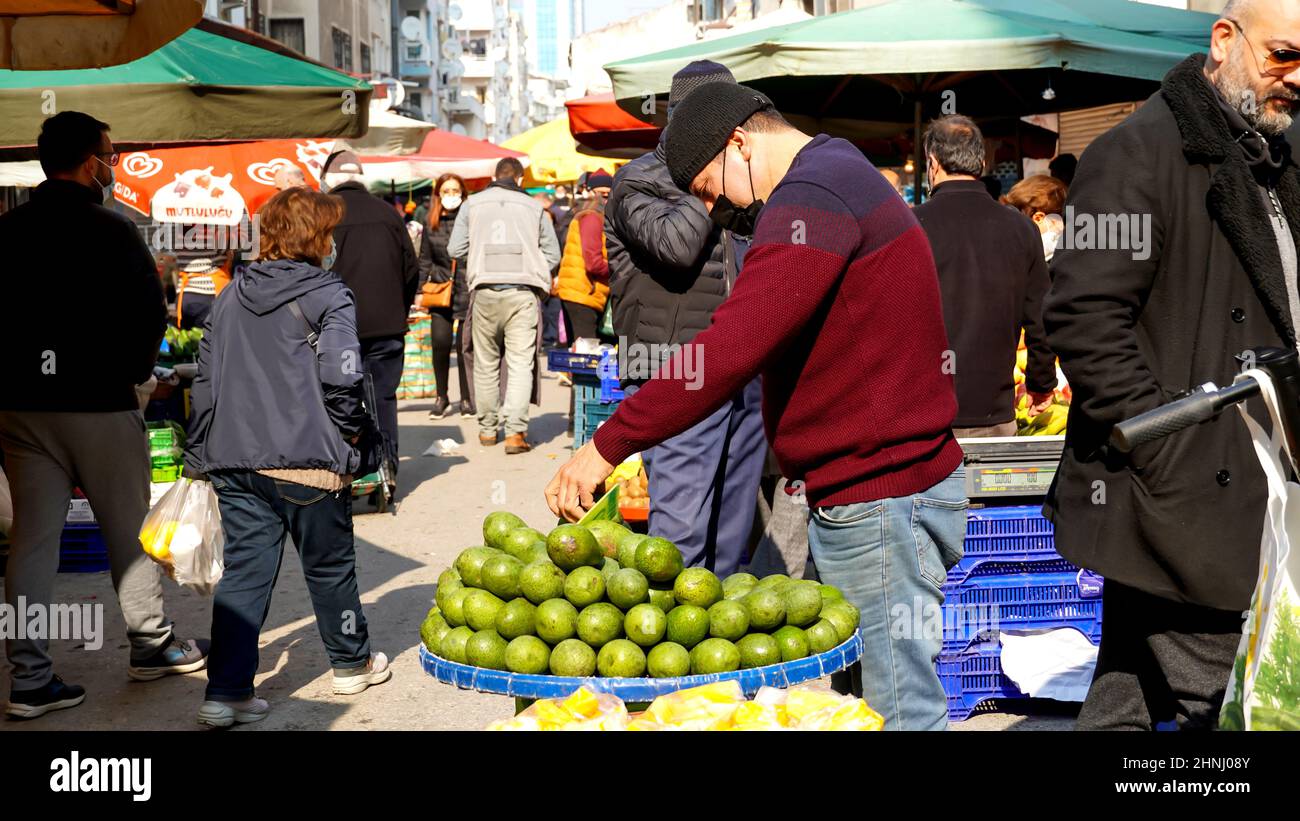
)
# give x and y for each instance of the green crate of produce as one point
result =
(166, 434)
(164, 457)
(169, 473)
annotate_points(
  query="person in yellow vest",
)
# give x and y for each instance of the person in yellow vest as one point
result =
(583, 281)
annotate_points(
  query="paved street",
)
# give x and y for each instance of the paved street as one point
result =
(443, 500)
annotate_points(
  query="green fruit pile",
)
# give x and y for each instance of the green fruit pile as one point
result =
(604, 601)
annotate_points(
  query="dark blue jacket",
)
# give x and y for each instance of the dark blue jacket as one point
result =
(263, 398)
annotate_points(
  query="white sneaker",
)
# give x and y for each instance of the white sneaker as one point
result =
(226, 713)
(351, 682)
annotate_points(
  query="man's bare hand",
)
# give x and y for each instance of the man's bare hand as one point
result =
(1039, 402)
(572, 492)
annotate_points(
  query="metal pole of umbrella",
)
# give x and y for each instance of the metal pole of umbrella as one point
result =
(918, 165)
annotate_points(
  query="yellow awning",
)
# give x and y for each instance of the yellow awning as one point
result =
(554, 156)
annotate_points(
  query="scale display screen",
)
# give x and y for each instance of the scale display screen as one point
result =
(1010, 480)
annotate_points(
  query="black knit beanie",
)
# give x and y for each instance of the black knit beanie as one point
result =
(703, 123)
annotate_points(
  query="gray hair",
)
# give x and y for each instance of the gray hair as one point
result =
(957, 144)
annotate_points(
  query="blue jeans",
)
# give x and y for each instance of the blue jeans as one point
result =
(890, 558)
(257, 512)
(704, 484)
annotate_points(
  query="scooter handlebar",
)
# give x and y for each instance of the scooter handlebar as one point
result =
(1193, 409)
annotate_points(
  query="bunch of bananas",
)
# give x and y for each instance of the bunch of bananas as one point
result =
(1048, 423)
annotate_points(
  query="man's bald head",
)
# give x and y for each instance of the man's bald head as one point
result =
(1240, 65)
(289, 176)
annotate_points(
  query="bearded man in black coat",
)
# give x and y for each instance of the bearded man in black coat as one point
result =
(1179, 254)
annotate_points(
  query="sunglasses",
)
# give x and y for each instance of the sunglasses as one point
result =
(112, 160)
(1279, 62)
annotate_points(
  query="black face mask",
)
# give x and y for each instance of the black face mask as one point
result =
(727, 216)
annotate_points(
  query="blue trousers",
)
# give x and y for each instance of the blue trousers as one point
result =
(257, 512)
(890, 558)
(704, 484)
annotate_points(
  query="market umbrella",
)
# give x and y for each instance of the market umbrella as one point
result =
(213, 184)
(200, 87)
(441, 152)
(599, 126)
(392, 134)
(554, 154)
(46, 35)
(900, 61)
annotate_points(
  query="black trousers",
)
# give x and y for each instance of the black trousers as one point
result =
(581, 321)
(382, 358)
(1160, 661)
(440, 321)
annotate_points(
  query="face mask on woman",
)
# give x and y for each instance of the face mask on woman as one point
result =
(450, 202)
(328, 262)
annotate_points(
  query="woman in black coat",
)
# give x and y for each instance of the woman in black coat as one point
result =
(436, 265)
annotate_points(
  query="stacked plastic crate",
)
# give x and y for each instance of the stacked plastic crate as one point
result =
(1010, 578)
(81, 546)
(166, 445)
(595, 392)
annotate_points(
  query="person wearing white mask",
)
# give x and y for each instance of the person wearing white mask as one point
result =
(437, 266)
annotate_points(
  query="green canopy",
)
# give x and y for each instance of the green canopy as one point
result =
(876, 71)
(873, 63)
(199, 87)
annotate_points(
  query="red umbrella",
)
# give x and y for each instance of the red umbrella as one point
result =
(599, 126)
(442, 152)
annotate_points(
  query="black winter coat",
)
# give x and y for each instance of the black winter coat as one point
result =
(64, 252)
(993, 277)
(435, 263)
(263, 398)
(1181, 517)
(376, 260)
(670, 266)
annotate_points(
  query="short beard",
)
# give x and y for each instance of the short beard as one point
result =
(1232, 82)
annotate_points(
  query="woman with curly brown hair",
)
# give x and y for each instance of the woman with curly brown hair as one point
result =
(282, 362)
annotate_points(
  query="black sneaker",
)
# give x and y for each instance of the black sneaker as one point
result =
(467, 409)
(34, 703)
(439, 408)
(181, 656)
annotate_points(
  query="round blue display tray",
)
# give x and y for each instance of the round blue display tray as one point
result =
(520, 685)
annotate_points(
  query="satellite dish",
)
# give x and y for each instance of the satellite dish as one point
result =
(500, 14)
(459, 129)
(411, 28)
(454, 12)
(451, 49)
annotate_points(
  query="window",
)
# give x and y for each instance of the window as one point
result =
(365, 59)
(291, 33)
(342, 50)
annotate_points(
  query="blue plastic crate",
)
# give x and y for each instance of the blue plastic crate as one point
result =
(610, 391)
(587, 416)
(574, 363)
(972, 677)
(1004, 534)
(82, 549)
(986, 602)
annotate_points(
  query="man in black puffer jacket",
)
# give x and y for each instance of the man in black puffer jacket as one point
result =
(671, 266)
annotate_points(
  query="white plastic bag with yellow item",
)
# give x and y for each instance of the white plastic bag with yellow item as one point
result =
(183, 534)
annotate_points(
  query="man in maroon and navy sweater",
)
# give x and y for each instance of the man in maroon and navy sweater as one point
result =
(839, 311)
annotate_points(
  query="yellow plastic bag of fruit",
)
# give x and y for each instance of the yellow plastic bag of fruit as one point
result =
(707, 707)
(753, 715)
(852, 714)
(584, 710)
(160, 524)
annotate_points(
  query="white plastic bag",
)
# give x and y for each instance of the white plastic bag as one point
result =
(183, 534)
(1263, 693)
(198, 544)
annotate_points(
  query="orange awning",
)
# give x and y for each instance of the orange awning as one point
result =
(599, 125)
(213, 184)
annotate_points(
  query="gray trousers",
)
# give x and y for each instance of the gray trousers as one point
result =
(783, 547)
(107, 456)
(504, 326)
